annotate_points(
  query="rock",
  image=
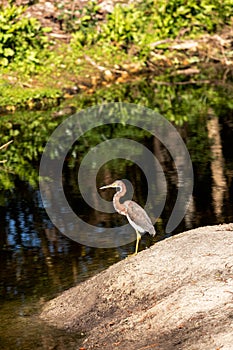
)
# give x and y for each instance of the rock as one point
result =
(176, 295)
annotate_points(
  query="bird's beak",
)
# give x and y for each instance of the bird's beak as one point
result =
(103, 187)
(113, 185)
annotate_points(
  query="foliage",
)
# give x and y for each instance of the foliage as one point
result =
(30, 132)
(173, 17)
(21, 38)
(12, 97)
(78, 20)
(125, 35)
(124, 25)
(146, 22)
(185, 105)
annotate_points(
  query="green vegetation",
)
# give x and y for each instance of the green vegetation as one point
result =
(30, 130)
(38, 73)
(22, 39)
(86, 17)
(138, 33)
(36, 98)
(145, 22)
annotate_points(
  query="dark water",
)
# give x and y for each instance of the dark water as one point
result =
(37, 262)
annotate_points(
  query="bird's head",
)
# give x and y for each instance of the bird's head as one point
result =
(115, 184)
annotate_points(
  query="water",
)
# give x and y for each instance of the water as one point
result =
(37, 262)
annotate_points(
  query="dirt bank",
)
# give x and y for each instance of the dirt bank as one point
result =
(176, 295)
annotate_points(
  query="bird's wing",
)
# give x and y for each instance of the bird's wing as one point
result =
(138, 215)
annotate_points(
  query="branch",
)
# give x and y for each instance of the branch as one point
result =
(182, 82)
(6, 144)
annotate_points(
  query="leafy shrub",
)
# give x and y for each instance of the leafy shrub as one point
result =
(148, 21)
(21, 38)
(72, 20)
(191, 16)
(124, 25)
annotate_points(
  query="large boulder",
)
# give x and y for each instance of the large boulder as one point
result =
(176, 295)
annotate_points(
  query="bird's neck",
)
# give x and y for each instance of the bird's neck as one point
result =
(119, 207)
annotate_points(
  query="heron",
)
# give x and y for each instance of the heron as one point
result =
(135, 214)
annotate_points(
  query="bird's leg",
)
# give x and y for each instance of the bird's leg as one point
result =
(137, 243)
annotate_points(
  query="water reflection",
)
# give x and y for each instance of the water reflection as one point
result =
(119, 118)
(37, 261)
(219, 188)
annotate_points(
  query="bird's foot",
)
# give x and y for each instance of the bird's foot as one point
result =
(130, 255)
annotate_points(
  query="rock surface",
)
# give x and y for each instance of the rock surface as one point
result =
(176, 295)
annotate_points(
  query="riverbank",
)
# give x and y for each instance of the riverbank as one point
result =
(99, 51)
(175, 295)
